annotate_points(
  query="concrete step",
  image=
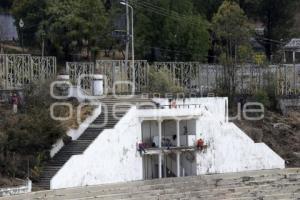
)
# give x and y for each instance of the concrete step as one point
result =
(213, 178)
(199, 189)
(180, 193)
(189, 191)
(228, 183)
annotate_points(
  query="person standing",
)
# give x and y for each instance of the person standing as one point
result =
(15, 103)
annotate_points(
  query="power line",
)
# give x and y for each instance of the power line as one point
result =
(158, 8)
(160, 11)
(271, 40)
(175, 15)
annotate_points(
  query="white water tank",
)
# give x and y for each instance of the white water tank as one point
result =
(98, 85)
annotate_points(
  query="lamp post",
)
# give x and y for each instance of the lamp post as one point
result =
(43, 43)
(21, 25)
(132, 42)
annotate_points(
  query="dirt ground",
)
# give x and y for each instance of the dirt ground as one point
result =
(10, 182)
(280, 133)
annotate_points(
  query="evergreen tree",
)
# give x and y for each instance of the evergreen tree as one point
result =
(72, 25)
(171, 31)
(231, 28)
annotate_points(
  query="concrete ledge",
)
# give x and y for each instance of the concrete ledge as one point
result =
(26, 188)
(285, 104)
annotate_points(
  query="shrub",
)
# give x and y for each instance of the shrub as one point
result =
(261, 96)
(160, 82)
(28, 136)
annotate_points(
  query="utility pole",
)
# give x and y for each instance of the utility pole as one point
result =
(132, 49)
(21, 25)
(43, 42)
(127, 38)
(132, 44)
(127, 33)
(43, 47)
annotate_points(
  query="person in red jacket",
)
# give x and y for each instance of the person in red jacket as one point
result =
(200, 144)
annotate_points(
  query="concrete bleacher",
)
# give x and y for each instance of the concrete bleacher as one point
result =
(264, 184)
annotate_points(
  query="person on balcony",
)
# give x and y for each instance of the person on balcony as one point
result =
(141, 148)
(200, 144)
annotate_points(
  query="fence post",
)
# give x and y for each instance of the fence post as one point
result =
(295, 89)
(207, 77)
(6, 71)
(285, 79)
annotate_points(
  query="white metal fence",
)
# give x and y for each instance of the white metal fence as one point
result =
(17, 70)
(192, 76)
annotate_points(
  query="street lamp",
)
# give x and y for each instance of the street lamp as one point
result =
(43, 43)
(21, 25)
(132, 41)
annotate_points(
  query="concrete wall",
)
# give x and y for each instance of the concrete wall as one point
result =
(150, 166)
(218, 106)
(149, 130)
(188, 164)
(286, 105)
(26, 188)
(231, 150)
(111, 158)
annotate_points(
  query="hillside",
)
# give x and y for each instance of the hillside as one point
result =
(280, 133)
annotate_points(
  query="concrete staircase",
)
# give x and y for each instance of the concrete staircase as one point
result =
(107, 120)
(261, 185)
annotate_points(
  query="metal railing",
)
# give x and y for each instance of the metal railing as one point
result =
(178, 106)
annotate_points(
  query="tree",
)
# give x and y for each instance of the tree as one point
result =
(28, 135)
(278, 19)
(73, 25)
(207, 8)
(66, 26)
(6, 4)
(32, 12)
(172, 32)
(232, 30)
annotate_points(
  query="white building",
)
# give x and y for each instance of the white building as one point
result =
(169, 135)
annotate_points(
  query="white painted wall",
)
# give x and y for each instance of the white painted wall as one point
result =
(217, 106)
(78, 93)
(172, 114)
(111, 158)
(149, 130)
(26, 188)
(231, 150)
